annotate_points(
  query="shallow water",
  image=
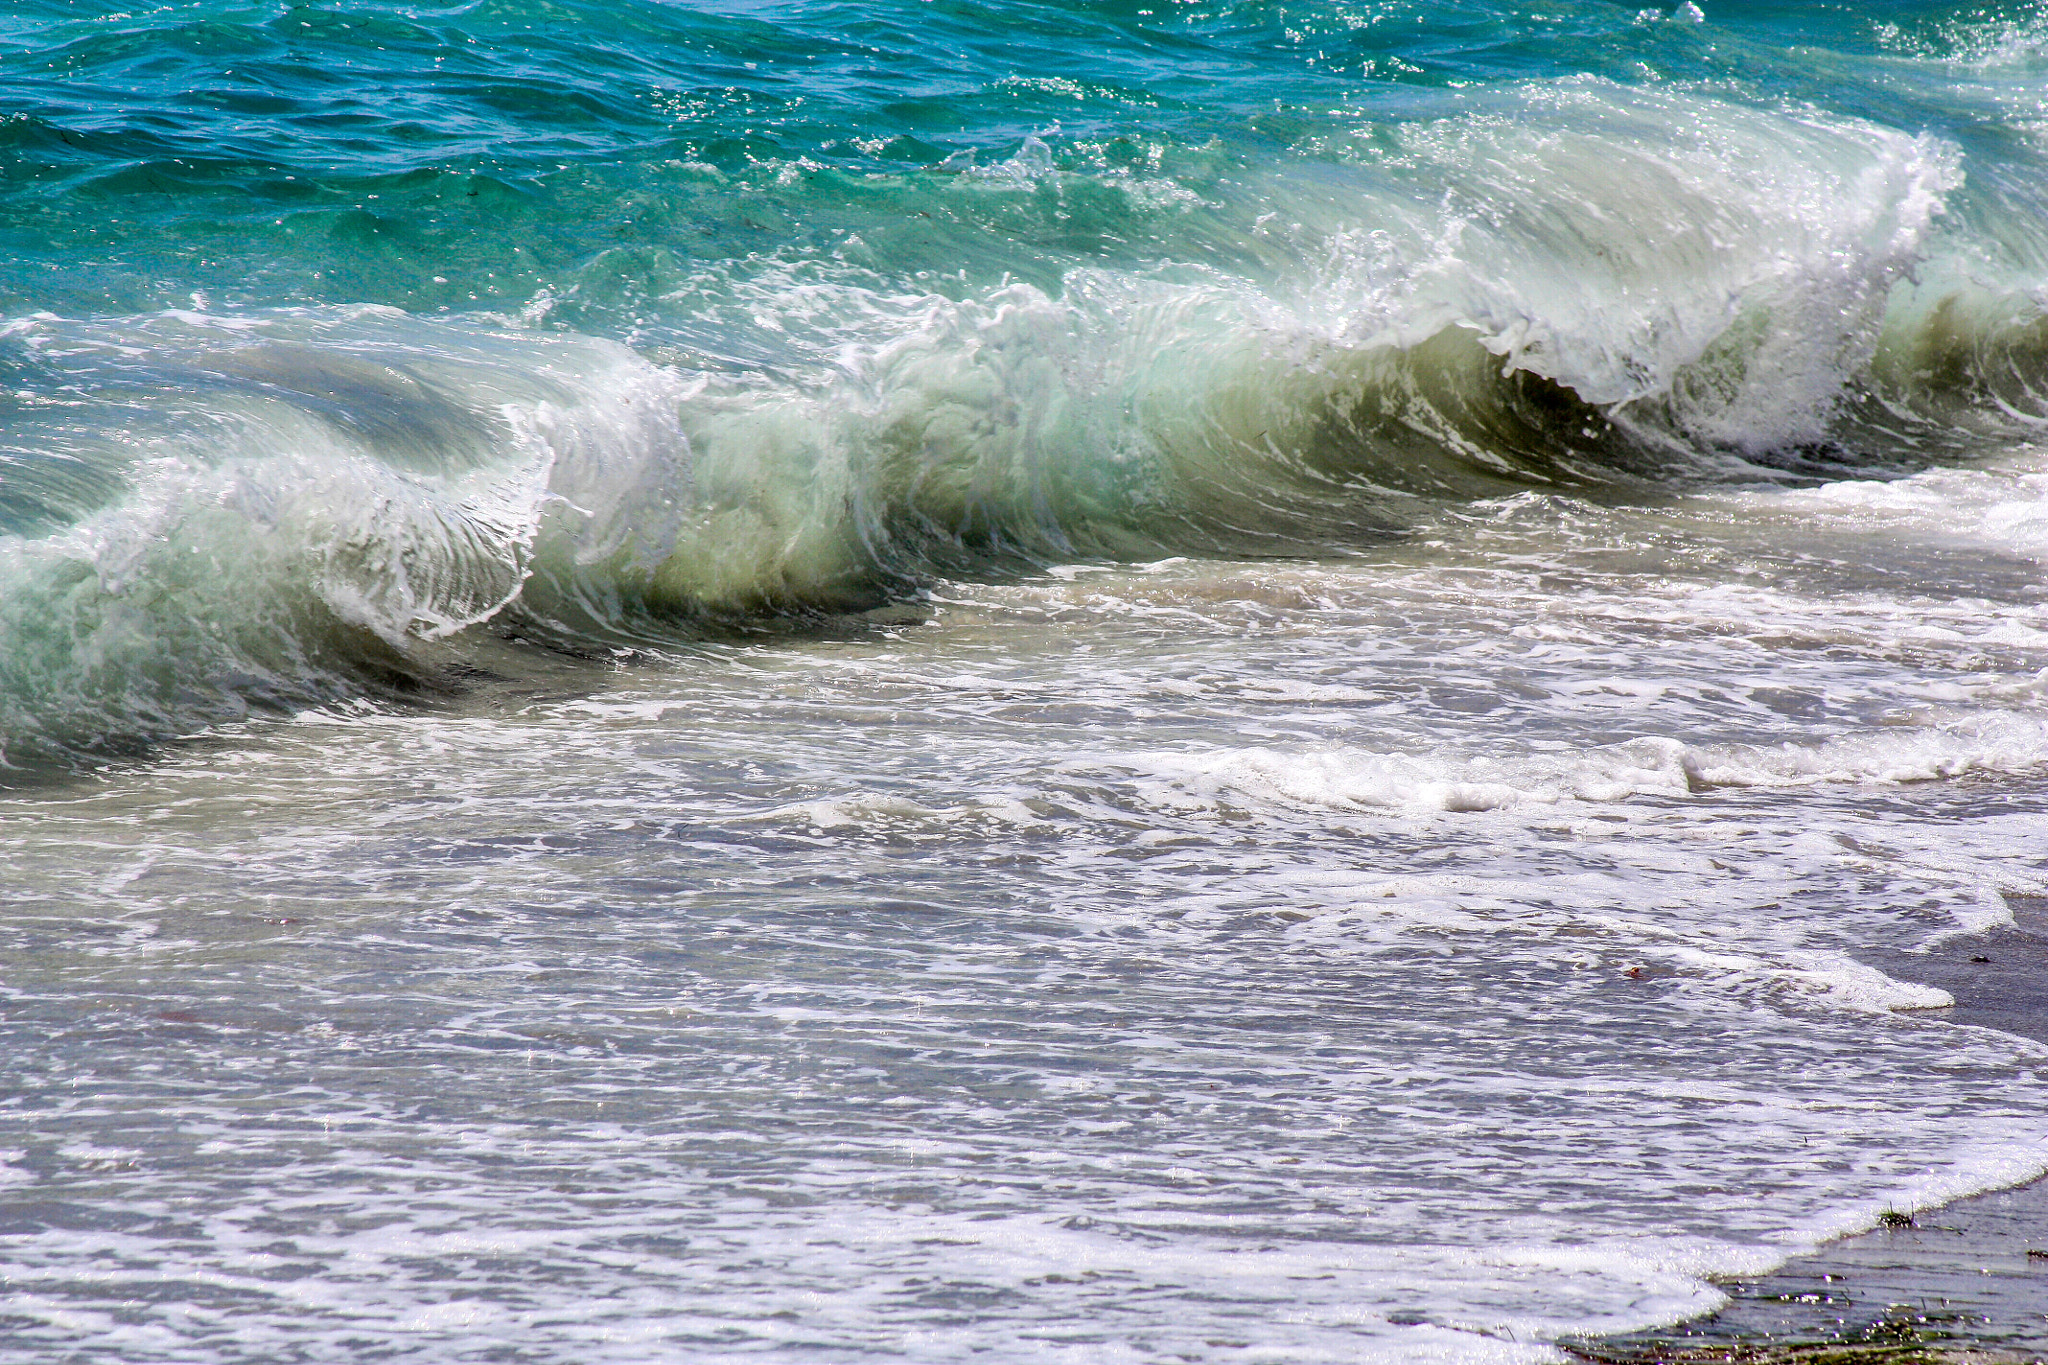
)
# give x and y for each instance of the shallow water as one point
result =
(1054, 683)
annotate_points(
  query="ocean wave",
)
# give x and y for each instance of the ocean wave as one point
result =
(1641, 290)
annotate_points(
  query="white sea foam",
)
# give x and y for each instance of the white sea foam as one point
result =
(2007, 742)
(2003, 509)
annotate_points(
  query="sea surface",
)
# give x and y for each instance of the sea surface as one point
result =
(928, 680)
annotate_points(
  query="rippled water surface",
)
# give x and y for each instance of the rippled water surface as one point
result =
(1057, 682)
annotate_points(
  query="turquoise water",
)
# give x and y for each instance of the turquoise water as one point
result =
(1074, 682)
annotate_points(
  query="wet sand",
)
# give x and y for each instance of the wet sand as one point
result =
(1964, 1283)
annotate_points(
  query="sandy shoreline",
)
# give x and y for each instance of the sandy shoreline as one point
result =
(1965, 1283)
(1958, 1285)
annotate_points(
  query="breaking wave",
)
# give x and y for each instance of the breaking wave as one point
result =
(1581, 284)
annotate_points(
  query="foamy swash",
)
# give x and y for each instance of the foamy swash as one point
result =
(1578, 284)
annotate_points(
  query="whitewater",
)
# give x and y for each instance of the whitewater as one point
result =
(937, 681)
